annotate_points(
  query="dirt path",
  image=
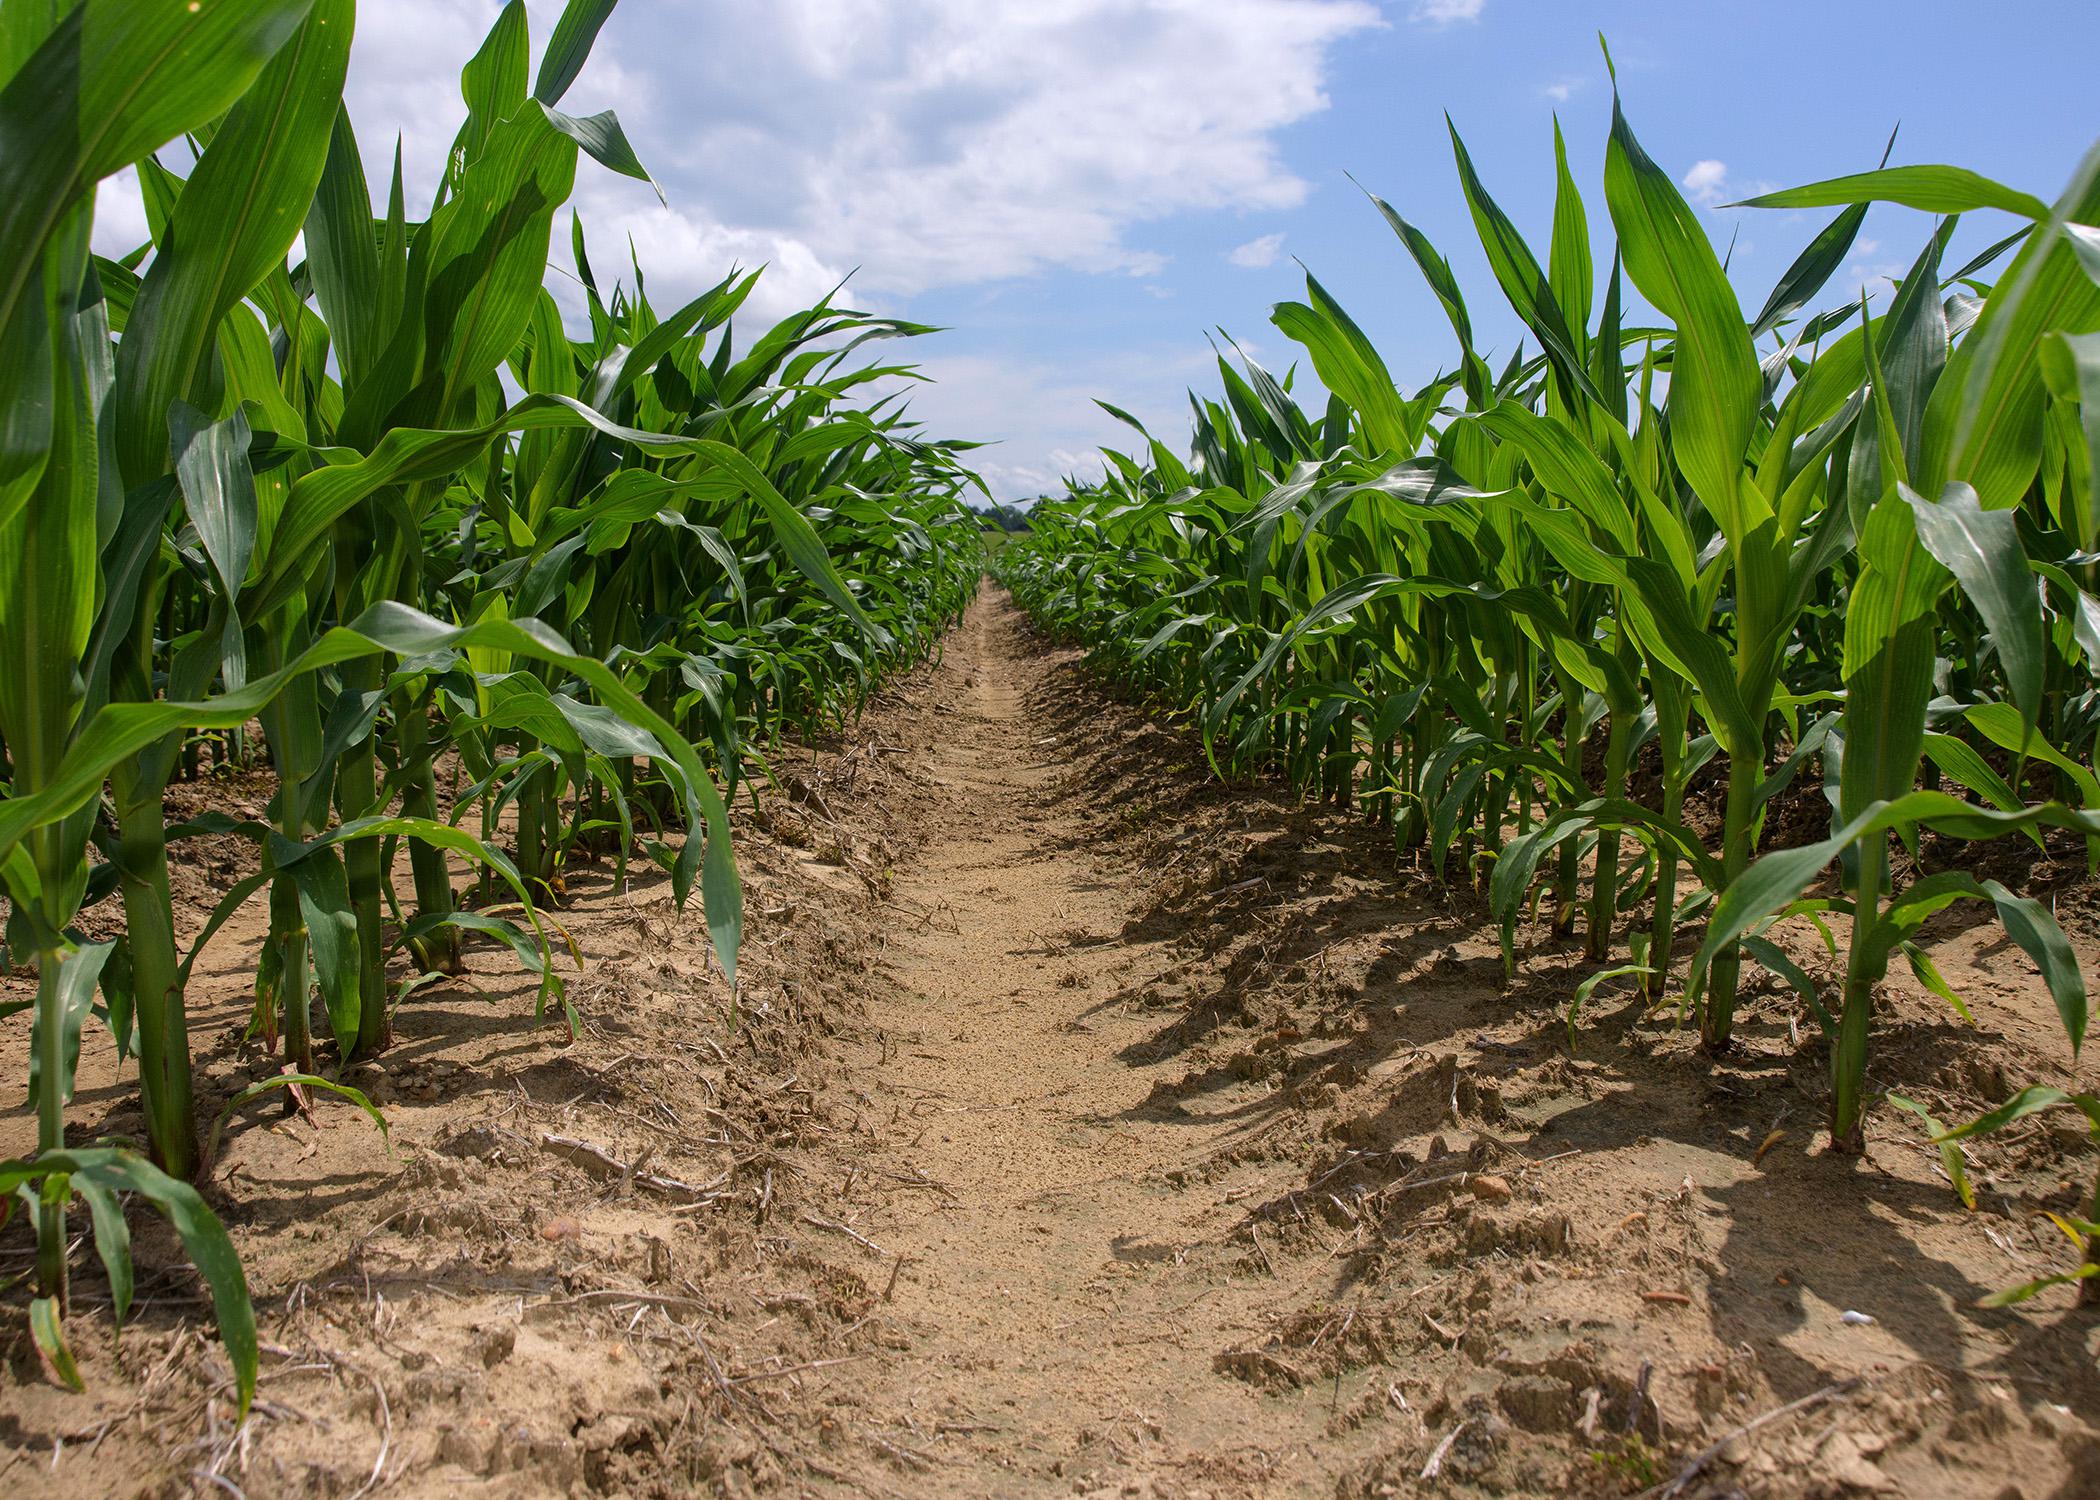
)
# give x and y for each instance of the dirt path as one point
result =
(1215, 1158)
(1064, 1303)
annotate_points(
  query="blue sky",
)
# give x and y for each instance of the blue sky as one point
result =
(1080, 189)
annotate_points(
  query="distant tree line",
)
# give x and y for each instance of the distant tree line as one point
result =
(1003, 517)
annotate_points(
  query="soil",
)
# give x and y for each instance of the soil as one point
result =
(1085, 1126)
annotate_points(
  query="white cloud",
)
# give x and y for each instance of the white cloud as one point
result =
(1257, 254)
(1707, 182)
(1561, 90)
(680, 253)
(1445, 12)
(926, 142)
(120, 215)
(1044, 414)
(1710, 184)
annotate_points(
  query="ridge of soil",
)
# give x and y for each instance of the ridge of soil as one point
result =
(1090, 1127)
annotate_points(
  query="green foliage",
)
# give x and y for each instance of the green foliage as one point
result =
(1750, 543)
(391, 502)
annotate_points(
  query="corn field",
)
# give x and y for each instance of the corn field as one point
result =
(1522, 615)
(495, 567)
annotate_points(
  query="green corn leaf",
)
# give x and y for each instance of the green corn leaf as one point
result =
(342, 257)
(404, 456)
(1772, 957)
(205, 1241)
(1951, 1160)
(1437, 272)
(1927, 973)
(1810, 271)
(791, 529)
(298, 1081)
(473, 283)
(1571, 270)
(1936, 190)
(123, 729)
(1681, 638)
(606, 143)
(1715, 385)
(1984, 424)
(1890, 628)
(218, 488)
(2028, 1101)
(112, 1243)
(530, 952)
(492, 84)
(1959, 761)
(570, 47)
(2028, 1290)
(2028, 923)
(1350, 366)
(49, 1336)
(1982, 550)
(2003, 725)
(78, 975)
(1776, 879)
(1586, 990)
(2071, 366)
(331, 930)
(113, 81)
(238, 214)
(1523, 282)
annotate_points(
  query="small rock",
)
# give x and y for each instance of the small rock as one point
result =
(561, 1227)
(470, 1451)
(1490, 1189)
(1537, 1403)
(494, 1345)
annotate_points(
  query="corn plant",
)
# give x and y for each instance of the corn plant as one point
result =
(1746, 541)
(235, 486)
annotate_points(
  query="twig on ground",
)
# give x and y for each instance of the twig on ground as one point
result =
(603, 1165)
(1702, 1459)
(819, 1221)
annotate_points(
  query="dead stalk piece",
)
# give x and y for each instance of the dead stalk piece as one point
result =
(603, 1165)
(1435, 1466)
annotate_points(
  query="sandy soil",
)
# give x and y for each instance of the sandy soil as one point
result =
(1088, 1127)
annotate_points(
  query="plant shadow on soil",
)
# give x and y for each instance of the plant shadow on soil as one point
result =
(1315, 962)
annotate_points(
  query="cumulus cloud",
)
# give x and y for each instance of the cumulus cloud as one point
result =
(1257, 254)
(1707, 182)
(929, 143)
(1043, 411)
(1446, 12)
(120, 215)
